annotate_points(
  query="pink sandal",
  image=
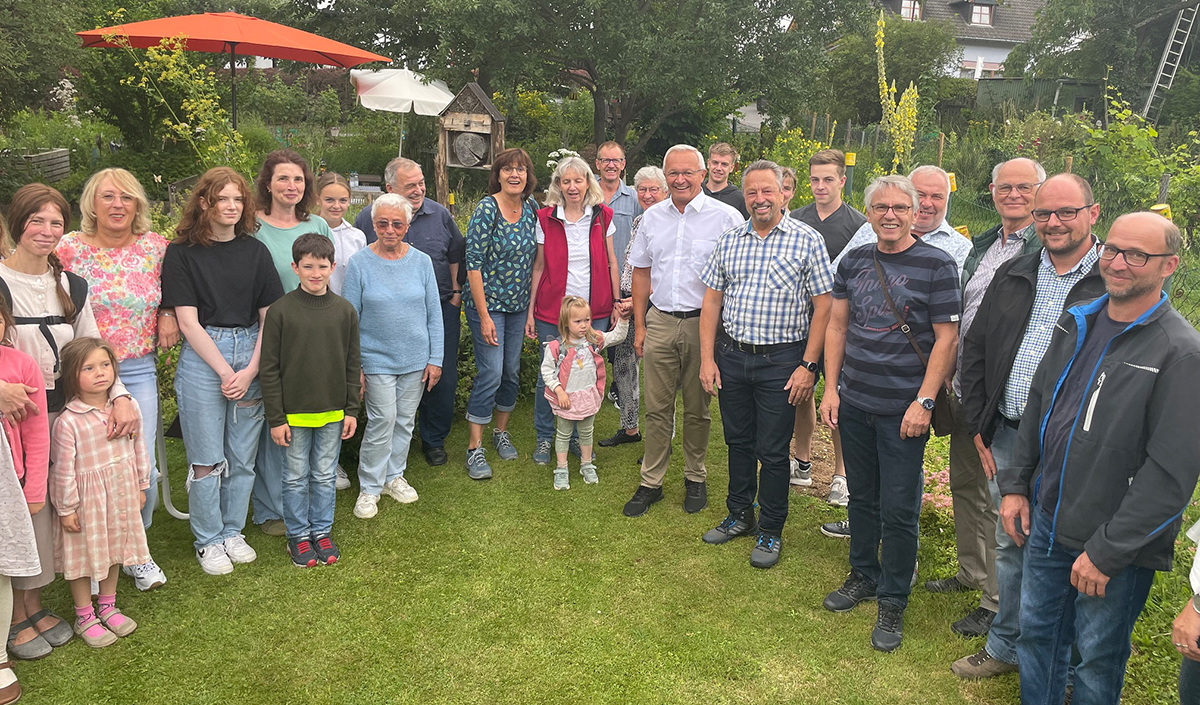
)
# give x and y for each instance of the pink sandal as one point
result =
(94, 633)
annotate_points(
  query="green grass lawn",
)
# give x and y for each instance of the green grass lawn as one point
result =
(508, 592)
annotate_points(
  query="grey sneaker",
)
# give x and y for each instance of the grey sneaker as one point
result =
(839, 495)
(981, 665)
(541, 454)
(801, 473)
(341, 479)
(504, 445)
(588, 470)
(562, 479)
(477, 465)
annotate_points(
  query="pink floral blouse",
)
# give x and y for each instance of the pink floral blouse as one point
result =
(125, 288)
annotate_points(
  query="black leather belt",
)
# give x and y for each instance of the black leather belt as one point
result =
(680, 314)
(1011, 423)
(758, 349)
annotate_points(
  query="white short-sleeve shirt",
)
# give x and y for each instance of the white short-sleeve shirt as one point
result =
(579, 254)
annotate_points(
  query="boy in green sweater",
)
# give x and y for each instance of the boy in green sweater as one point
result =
(309, 373)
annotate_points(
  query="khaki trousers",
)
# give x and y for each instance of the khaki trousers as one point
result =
(974, 514)
(671, 358)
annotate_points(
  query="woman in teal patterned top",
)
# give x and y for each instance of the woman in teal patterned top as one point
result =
(501, 244)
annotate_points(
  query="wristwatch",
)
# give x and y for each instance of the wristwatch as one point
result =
(926, 403)
(810, 366)
(1196, 602)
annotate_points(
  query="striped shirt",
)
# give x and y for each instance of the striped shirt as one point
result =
(1048, 303)
(769, 281)
(881, 373)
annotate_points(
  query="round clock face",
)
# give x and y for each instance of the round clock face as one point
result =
(470, 148)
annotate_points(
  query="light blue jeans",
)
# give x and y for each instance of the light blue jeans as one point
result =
(267, 495)
(140, 377)
(219, 433)
(392, 402)
(308, 480)
(1002, 636)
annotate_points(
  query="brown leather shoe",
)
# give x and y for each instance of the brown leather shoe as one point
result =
(10, 693)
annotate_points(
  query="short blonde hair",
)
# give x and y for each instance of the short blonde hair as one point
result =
(126, 183)
(554, 194)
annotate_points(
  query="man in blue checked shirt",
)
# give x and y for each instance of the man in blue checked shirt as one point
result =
(761, 280)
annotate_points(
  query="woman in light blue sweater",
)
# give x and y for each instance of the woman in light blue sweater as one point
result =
(392, 286)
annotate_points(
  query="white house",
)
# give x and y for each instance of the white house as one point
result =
(985, 30)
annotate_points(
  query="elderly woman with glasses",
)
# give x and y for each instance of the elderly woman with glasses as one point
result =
(501, 245)
(392, 286)
(575, 257)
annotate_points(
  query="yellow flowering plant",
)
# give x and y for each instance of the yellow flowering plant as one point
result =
(899, 117)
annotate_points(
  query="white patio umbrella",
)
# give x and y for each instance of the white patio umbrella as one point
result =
(400, 91)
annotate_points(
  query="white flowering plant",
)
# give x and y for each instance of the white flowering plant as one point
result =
(558, 155)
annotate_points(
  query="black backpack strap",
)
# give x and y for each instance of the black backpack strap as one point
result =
(77, 287)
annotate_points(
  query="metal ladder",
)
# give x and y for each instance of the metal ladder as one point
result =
(1172, 57)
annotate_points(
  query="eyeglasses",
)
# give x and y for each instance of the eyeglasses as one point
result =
(899, 209)
(1042, 215)
(1133, 258)
(1023, 189)
(512, 170)
(108, 199)
(685, 174)
(394, 224)
(612, 161)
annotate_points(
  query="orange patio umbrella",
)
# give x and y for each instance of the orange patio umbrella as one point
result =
(229, 32)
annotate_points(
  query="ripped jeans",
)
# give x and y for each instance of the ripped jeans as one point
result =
(219, 433)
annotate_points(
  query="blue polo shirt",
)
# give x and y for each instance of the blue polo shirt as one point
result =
(434, 232)
(625, 208)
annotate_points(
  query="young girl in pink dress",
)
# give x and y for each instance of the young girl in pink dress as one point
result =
(98, 489)
(573, 371)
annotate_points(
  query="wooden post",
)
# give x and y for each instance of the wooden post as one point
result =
(1070, 161)
(941, 147)
(439, 168)
(828, 130)
(1163, 184)
(849, 129)
(813, 132)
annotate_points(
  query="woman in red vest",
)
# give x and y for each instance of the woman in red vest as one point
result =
(574, 257)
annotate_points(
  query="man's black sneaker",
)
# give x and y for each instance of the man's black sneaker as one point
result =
(435, 455)
(837, 529)
(620, 437)
(302, 553)
(766, 551)
(975, 624)
(732, 526)
(951, 584)
(889, 628)
(696, 497)
(856, 589)
(642, 499)
(327, 550)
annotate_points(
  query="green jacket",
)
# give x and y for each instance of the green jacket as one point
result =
(981, 243)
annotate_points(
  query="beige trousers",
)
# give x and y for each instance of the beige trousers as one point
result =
(974, 514)
(671, 358)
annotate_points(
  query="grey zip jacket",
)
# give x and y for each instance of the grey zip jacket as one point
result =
(1133, 456)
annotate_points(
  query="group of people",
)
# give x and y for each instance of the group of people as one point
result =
(1053, 360)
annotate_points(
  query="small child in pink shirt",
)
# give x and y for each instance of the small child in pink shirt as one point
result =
(573, 371)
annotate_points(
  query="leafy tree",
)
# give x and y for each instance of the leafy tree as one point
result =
(33, 47)
(641, 62)
(921, 53)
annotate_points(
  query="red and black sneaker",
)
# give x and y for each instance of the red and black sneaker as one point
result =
(302, 553)
(327, 550)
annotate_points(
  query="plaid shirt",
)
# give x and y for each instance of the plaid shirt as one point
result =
(768, 282)
(1052, 290)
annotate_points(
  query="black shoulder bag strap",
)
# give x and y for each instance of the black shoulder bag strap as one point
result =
(887, 295)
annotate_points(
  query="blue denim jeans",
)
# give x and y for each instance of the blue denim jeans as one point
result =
(267, 495)
(1189, 682)
(219, 433)
(391, 409)
(1054, 615)
(1002, 636)
(886, 478)
(436, 411)
(497, 367)
(757, 419)
(140, 377)
(543, 415)
(309, 480)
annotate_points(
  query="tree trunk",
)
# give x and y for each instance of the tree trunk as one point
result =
(599, 116)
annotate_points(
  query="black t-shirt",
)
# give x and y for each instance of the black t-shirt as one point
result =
(731, 195)
(227, 282)
(836, 230)
(1071, 404)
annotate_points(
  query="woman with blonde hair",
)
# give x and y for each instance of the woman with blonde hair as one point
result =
(575, 257)
(121, 258)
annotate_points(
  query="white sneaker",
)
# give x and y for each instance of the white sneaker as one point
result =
(342, 481)
(800, 477)
(213, 560)
(238, 550)
(399, 490)
(839, 496)
(146, 576)
(366, 506)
